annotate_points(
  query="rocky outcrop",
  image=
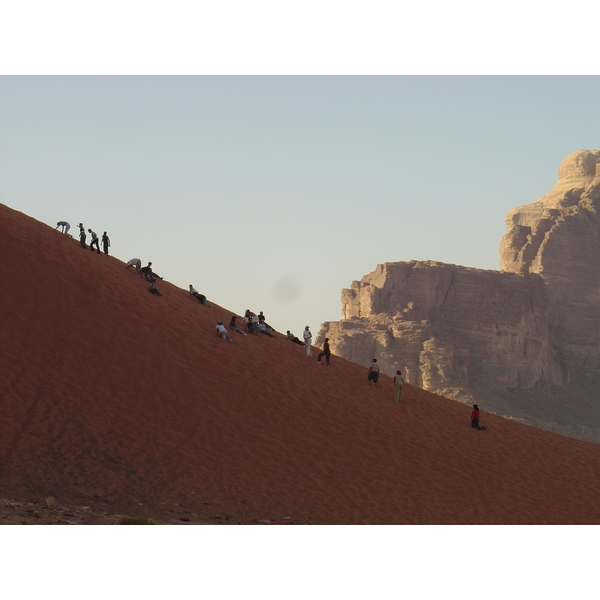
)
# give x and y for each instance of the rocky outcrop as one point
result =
(524, 341)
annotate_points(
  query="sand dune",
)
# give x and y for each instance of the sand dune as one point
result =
(131, 404)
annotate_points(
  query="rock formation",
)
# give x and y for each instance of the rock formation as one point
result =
(524, 341)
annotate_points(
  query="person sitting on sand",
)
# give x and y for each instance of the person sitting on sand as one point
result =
(293, 338)
(475, 418)
(255, 323)
(149, 274)
(222, 331)
(233, 326)
(373, 373)
(261, 319)
(153, 289)
(135, 262)
(262, 328)
(200, 297)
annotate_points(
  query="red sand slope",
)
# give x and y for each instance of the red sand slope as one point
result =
(115, 398)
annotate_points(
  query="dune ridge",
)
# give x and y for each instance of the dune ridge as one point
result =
(131, 404)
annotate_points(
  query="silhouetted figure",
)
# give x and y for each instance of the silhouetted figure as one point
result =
(105, 243)
(326, 352)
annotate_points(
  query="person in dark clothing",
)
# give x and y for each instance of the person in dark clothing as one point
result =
(153, 289)
(261, 319)
(82, 236)
(105, 243)
(200, 297)
(475, 418)
(326, 352)
(149, 274)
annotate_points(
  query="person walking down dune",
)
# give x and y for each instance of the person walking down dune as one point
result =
(200, 297)
(64, 227)
(326, 352)
(82, 236)
(398, 383)
(290, 336)
(94, 241)
(149, 274)
(222, 331)
(307, 335)
(233, 326)
(135, 262)
(105, 243)
(373, 373)
(475, 418)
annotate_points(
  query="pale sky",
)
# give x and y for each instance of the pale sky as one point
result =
(275, 192)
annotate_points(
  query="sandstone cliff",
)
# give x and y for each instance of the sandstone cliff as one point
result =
(524, 341)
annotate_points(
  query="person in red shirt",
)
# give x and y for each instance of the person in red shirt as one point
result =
(475, 418)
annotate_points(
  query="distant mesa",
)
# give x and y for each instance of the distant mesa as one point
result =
(523, 341)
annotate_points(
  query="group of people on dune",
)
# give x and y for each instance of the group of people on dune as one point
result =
(252, 323)
(65, 226)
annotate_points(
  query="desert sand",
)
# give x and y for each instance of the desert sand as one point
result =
(130, 404)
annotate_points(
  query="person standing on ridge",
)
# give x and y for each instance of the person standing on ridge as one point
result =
(307, 335)
(373, 373)
(233, 326)
(82, 236)
(326, 352)
(105, 243)
(398, 382)
(94, 241)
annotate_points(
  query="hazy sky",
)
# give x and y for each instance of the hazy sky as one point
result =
(275, 192)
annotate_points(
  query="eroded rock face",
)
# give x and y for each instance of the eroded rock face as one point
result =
(486, 336)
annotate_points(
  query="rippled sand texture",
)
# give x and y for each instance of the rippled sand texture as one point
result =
(131, 403)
